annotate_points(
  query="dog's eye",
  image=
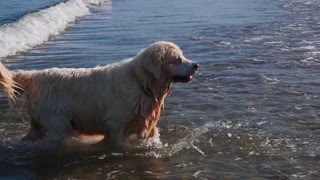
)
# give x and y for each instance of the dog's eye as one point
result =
(179, 60)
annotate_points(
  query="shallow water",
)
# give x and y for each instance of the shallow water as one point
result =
(252, 111)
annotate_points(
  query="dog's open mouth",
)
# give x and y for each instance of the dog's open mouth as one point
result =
(182, 79)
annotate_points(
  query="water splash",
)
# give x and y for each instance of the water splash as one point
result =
(187, 141)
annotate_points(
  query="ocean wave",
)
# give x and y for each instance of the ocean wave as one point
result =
(36, 28)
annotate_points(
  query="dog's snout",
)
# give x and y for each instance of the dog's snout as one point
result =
(195, 66)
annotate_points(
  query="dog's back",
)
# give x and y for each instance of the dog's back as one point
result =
(58, 89)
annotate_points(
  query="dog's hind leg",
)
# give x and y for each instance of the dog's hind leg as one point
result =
(36, 132)
(58, 128)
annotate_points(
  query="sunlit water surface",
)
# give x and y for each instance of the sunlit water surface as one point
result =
(252, 110)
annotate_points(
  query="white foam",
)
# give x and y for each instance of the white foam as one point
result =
(36, 28)
(308, 2)
(305, 2)
(256, 39)
(307, 47)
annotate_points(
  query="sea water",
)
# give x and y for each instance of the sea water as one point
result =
(252, 111)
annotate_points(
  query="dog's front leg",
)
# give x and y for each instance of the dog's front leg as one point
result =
(154, 138)
(154, 132)
(36, 132)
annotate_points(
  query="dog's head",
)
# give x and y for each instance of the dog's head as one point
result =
(166, 60)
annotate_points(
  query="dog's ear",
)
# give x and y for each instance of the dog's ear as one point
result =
(153, 64)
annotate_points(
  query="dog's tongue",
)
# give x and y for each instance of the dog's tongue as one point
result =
(190, 78)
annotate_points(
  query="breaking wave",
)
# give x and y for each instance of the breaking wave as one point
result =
(36, 28)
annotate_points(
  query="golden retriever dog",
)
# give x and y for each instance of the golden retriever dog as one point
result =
(116, 100)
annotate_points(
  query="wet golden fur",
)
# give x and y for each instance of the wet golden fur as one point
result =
(111, 100)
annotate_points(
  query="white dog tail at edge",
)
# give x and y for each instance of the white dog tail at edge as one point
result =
(8, 84)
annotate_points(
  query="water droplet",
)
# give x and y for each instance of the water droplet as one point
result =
(102, 157)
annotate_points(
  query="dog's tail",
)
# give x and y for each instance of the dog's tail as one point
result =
(8, 84)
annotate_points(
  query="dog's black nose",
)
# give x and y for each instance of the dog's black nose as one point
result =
(195, 66)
